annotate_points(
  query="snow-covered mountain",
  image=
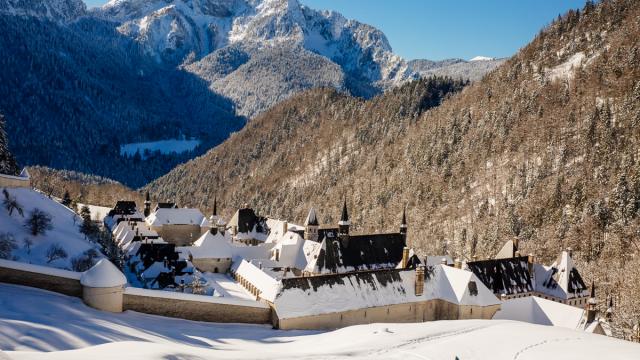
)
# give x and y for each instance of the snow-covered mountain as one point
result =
(57, 10)
(198, 33)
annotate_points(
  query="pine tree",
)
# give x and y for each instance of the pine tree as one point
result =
(66, 199)
(8, 164)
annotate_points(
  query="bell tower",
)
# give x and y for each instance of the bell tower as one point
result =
(311, 226)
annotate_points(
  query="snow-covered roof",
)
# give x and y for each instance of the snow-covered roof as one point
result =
(267, 285)
(192, 297)
(103, 275)
(304, 296)
(155, 269)
(174, 216)
(210, 246)
(508, 250)
(535, 310)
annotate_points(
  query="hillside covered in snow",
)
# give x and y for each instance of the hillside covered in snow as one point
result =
(20, 242)
(67, 329)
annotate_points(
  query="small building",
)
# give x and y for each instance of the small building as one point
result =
(177, 226)
(122, 211)
(212, 252)
(513, 276)
(247, 228)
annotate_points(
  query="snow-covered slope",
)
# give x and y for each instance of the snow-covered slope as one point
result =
(57, 10)
(472, 70)
(64, 231)
(30, 331)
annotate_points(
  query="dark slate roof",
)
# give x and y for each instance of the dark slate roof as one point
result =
(166, 205)
(150, 253)
(123, 208)
(504, 276)
(247, 220)
(364, 252)
(314, 282)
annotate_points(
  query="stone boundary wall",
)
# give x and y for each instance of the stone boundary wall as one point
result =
(191, 309)
(9, 181)
(42, 277)
(430, 310)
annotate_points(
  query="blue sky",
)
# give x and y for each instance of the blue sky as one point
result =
(439, 29)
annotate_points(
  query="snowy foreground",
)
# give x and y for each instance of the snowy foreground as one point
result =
(36, 324)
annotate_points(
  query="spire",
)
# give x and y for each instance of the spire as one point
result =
(312, 218)
(593, 289)
(215, 206)
(147, 198)
(344, 219)
(404, 218)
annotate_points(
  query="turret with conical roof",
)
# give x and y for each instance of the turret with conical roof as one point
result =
(311, 225)
(343, 225)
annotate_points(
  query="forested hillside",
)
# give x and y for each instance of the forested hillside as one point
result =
(545, 149)
(72, 93)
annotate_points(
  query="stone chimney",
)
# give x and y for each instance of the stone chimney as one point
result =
(405, 257)
(419, 280)
(531, 260)
(457, 264)
(443, 261)
(285, 227)
(570, 251)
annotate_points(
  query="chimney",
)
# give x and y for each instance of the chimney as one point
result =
(419, 280)
(570, 251)
(458, 264)
(530, 260)
(405, 257)
(285, 227)
(516, 243)
(517, 254)
(443, 261)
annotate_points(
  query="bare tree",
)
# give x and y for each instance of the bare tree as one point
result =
(38, 222)
(11, 204)
(7, 245)
(55, 252)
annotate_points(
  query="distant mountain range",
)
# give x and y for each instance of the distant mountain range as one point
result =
(77, 84)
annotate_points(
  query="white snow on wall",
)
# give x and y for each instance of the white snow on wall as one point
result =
(39, 269)
(192, 297)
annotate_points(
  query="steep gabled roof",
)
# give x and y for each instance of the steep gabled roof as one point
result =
(363, 252)
(247, 221)
(562, 279)
(173, 216)
(504, 276)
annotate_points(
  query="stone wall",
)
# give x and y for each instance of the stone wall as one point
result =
(197, 310)
(212, 265)
(8, 181)
(67, 285)
(180, 235)
(430, 310)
